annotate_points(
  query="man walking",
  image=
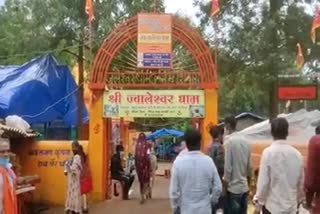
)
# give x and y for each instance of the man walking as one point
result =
(312, 180)
(237, 170)
(195, 184)
(280, 181)
(216, 152)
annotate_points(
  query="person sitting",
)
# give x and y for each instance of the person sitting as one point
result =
(118, 173)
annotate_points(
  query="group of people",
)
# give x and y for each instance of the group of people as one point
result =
(145, 165)
(79, 181)
(221, 179)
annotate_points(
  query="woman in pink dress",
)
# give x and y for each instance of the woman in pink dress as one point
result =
(142, 162)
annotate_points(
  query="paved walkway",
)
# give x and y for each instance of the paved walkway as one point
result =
(158, 205)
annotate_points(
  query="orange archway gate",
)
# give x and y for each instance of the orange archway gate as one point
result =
(193, 68)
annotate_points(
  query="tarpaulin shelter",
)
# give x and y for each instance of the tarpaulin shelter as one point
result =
(301, 128)
(40, 91)
(165, 132)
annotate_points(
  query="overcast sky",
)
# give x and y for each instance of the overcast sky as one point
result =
(184, 7)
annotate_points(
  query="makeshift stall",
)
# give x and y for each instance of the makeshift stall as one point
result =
(302, 126)
(14, 129)
(165, 132)
(44, 93)
(164, 149)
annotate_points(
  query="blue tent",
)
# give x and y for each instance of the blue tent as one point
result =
(40, 91)
(164, 132)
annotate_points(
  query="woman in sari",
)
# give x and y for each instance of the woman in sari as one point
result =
(73, 169)
(142, 161)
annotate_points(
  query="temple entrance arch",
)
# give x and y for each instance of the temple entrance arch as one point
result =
(117, 66)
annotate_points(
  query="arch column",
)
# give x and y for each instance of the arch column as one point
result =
(98, 148)
(211, 115)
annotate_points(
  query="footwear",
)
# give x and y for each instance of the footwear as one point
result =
(142, 200)
(85, 211)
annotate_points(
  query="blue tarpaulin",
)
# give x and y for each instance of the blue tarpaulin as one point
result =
(40, 91)
(165, 132)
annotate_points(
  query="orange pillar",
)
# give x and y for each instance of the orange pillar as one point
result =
(110, 149)
(211, 115)
(97, 148)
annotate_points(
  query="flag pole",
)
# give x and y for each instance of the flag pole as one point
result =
(90, 38)
(216, 43)
(154, 5)
(215, 8)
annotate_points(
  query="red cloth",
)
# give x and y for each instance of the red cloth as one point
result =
(85, 177)
(312, 176)
(142, 161)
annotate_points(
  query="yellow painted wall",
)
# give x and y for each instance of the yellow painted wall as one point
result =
(46, 159)
(97, 149)
(211, 117)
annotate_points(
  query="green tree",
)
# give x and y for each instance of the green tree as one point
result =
(258, 42)
(29, 28)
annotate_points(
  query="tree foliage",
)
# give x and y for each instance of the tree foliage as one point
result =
(256, 40)
(32, 27)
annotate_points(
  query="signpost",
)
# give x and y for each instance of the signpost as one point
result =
(154, 41)
(154, 103)
(299, 92)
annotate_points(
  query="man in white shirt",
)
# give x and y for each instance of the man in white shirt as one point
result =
(183, 149)
(195, 184)
(237, 170)
(281, 174)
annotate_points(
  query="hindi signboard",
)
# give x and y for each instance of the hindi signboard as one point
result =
(154, 41)
(302, 92)
(154, 103)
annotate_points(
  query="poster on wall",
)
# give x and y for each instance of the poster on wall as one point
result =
(154, 103)
(154, 42)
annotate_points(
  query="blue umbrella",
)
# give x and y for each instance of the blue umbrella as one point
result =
(175, 133)
(165, 132)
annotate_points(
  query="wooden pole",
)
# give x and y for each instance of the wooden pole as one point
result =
(80, 92)
(154, 5)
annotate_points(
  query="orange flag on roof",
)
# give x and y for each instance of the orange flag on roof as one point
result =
(89, 10)
(215, 7)
(300, 57)
(315, 25)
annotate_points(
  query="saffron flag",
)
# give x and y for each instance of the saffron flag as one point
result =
(300, 57)
(89, 10)
(315, 25)
(215, 7)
